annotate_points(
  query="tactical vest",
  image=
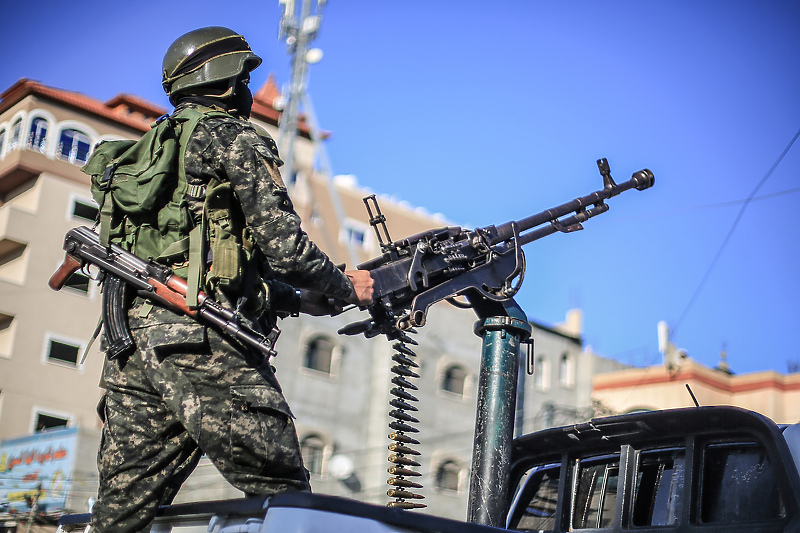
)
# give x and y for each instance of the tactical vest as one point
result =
(143, 194)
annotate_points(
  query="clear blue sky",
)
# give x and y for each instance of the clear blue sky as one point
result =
(491, 111)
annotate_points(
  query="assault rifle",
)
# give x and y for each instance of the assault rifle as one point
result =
(484, 265)
(154, 281)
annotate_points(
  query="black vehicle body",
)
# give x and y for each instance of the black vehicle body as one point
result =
(710, 469)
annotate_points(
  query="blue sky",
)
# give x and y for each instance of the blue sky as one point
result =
(491, 111)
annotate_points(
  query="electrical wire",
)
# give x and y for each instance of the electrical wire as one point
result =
(732, 229)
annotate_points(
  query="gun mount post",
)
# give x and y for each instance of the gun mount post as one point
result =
(494, 424)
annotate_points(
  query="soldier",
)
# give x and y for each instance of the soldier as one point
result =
(187, 389)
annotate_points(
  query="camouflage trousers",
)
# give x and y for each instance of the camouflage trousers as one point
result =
(184, 392)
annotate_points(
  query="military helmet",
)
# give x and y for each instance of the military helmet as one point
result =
(205, 56)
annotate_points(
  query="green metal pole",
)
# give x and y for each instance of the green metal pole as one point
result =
(494, 425)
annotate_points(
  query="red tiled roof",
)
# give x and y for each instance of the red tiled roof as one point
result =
(264, 108)
(119, 114)
(264, 102)
(135, 112)
(136, 104)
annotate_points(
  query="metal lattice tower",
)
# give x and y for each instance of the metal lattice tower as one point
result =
(299, 28)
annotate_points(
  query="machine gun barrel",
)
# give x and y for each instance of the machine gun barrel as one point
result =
(584, 208)
(486, 265)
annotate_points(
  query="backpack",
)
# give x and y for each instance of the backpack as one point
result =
(142, 190)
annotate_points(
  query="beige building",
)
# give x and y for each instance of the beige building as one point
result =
(770, 393)
(338, 387)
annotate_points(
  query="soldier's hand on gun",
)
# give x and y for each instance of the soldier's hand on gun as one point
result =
(362, 287)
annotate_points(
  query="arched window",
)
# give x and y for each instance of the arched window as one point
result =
(74, 146)
(319, 355)
(313, 450)
(454, 380)
(16, 133)
(2, 140)
(38, 134)
(448, 476)
(541, 374)
(566, 371)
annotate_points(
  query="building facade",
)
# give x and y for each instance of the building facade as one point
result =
(770, 393)
(338, 386)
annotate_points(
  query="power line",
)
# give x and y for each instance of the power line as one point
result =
(732, 230)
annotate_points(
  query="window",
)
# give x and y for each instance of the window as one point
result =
(16, 132)
(2, 140)
(738, 485)
(78, 281)
(448, 476)
(541, 493)
(541, 373)
(7, 326)
(354, 233)
(313, 450)
(566, 372)
(355, 236)
(660, 478)
(454, 380)
(63, 352)
(85, 210)
(48, 421)
(595, 494)
(74, 146)
(37, 135)
(319, 355)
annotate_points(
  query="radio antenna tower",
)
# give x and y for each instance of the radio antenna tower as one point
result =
(299, 29)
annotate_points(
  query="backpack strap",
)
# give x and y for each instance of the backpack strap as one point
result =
(195, 242)
(107, 206)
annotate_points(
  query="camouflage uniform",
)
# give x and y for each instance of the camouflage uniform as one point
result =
(187, 390)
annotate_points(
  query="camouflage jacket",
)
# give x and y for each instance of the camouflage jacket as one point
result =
(234, 150)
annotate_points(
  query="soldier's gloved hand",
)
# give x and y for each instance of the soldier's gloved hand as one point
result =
(317, 304)
(362, 287)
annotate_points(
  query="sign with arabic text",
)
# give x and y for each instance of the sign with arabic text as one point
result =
(38, 466)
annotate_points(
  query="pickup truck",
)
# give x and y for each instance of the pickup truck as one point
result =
(705, 469)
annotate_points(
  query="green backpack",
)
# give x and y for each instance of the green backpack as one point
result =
(142, 190)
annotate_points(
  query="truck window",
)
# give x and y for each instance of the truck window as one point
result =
(660, 477)
(595, 493)
(738, 484)
(541, 492)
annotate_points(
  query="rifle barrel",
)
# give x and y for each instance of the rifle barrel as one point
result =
(641, 180)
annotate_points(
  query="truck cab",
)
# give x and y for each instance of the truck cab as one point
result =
(709, 469)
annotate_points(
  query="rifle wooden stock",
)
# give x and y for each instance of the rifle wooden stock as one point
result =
(67, 268)
(171, 298)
